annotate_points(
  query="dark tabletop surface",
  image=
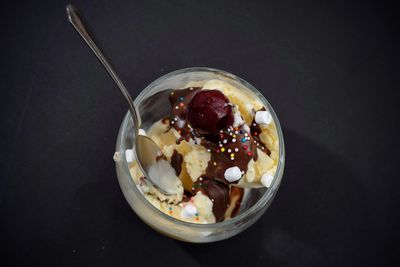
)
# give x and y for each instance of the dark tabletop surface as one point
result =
(329, 69)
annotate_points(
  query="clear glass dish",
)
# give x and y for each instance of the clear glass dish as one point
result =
(258, 200)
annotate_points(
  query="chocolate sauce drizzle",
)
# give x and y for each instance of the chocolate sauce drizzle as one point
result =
(236, 192)
(255, 130)
(179, 100)
(217, 191)
(232, 146)
(235, 147)
(176, 162)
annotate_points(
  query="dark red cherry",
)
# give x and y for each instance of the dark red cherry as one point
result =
(209, 111)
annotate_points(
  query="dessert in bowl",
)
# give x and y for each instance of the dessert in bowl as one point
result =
(224, 143)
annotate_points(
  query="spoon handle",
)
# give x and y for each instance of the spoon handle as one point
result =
(75, 19)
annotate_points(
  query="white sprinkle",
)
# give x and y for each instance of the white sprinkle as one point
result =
(212, 200)
(225, 141)
(220, 145)
(263, 117)
(266, 179)
(221, 131)
(236, 149)
(232, 174)
(176, 107)
(175, 119)
(209, 150)
(172, 122)
(246, 134)
(254, 124)
(236, 132)
(229, 150)
(201, 178)
(181, 123)
(233, 140)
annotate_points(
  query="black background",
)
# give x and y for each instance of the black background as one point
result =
(329, 69)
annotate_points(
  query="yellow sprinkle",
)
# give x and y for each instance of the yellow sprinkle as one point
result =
(223, 149)
(232, 155)
(234, 136)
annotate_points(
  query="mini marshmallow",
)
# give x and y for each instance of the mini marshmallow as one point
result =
(266, 179)
(237, 119)
(129, 155)
(142, 132)
(232, 174)
(188, 211)
(263, 117)
(116, 157)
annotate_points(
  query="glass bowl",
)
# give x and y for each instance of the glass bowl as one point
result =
(152, 112)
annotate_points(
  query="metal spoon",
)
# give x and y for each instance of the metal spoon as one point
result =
(150, 156)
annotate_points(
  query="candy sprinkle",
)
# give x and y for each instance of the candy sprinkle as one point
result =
(245, 147)
(249, 153)
(223, 149)
(233, 140)
(243, 140)
(232, 155)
